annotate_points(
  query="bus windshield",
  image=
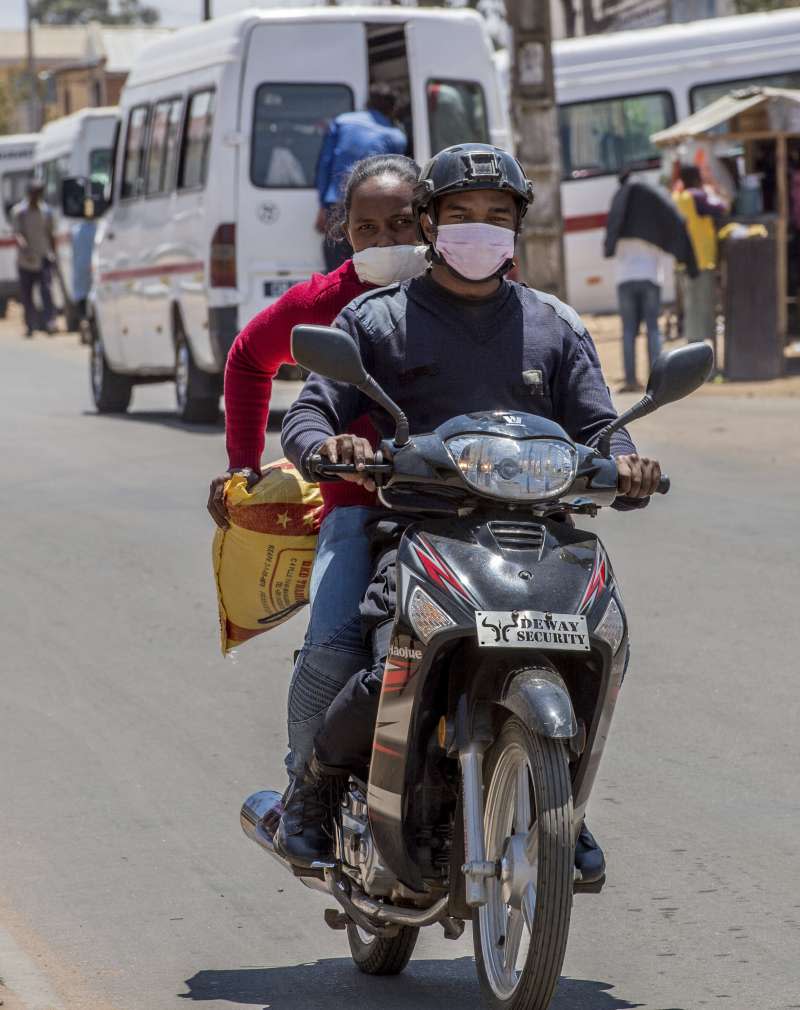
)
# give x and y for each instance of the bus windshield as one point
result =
(601, 137)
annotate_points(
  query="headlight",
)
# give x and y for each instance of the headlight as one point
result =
(522, 469)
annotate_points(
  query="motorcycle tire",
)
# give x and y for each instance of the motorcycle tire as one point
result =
(377, 955)
(500, 928)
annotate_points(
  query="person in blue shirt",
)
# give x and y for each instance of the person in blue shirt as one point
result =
(351, 137)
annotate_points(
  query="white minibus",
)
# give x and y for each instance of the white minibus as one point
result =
(77, 145)
(614, 91)
(16, 171)
(213, 201)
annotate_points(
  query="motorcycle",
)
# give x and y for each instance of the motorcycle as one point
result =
(509, 646)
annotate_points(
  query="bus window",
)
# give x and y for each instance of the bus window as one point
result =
(197, 141)
(704, 94)
(456, 114)
(163, 150)
(602, 137)
(100, 165)
(15, 187)
(289, 124)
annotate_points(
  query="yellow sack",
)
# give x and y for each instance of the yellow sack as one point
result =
(262, 563)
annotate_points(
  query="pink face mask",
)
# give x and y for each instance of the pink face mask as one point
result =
(476, 251)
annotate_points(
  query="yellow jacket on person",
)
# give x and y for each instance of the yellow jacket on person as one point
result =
(701, 228)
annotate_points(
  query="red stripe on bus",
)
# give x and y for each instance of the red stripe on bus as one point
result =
(585, 222)
(156, 271)
(6, 242)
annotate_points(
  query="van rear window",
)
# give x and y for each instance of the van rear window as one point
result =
(289, 124)
(456, 114)
(602, 137)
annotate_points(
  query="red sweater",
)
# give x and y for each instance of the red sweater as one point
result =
(257, 354)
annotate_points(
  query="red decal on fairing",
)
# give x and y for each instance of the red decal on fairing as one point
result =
(597, 580)
(438, 571)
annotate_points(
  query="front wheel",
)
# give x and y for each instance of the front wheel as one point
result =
(520, 935)
(111, 391)
(195, 405)
(378, 955)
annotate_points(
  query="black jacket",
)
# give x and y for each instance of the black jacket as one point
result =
(438, 356)
(643, 212)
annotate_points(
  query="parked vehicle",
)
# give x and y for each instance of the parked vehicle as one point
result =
(509, 646)
(615, 90)
(213, 201)
(16, 171)
(77, 145)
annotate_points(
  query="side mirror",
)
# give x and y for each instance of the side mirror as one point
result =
(678, 373)
(334, 354)
(82, 198)
(675, 374)
(331, 352)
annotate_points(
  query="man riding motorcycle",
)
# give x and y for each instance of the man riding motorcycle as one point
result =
(506, 347)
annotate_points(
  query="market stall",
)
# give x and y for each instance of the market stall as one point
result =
(748, 144)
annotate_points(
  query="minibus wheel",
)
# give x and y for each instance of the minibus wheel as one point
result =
(111, 391)
(195, 405)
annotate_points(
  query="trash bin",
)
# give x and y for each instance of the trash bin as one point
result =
(753, 345)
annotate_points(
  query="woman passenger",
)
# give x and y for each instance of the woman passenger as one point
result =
(379, 224)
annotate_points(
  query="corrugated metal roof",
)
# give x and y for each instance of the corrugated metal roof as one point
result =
(119, 46)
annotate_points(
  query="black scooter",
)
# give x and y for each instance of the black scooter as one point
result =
(509, 647)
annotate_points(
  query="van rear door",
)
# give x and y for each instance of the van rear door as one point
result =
(297, 78)
(454, 90)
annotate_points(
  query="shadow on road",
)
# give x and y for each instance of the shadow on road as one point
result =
(169, 419)
(424, 985)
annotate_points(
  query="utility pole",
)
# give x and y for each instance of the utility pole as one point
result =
(34, 123)
(535, 122)
(206, 10)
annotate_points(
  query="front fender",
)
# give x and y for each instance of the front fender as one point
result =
(541, 700)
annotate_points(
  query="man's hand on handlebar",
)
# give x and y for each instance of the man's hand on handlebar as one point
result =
(350, 449)
(216, 494)
(638, 476)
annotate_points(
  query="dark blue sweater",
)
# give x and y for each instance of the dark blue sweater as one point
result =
(438, 355)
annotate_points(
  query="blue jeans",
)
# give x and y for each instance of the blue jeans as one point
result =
(639, 302)
(333, 649)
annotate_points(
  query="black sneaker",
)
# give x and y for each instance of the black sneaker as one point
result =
(306, 827)
(589, 858)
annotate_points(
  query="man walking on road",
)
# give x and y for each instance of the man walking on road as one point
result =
(643, 228)
(33, 231)
(351, 137)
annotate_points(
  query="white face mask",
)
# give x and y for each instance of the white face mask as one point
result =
(389, 264)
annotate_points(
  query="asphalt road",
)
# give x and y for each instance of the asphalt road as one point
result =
(127, 743)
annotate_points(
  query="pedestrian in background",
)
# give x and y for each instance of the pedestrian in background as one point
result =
(351, 137)
(703, 212)
(643, 229)
(82, 247)
(33, 231)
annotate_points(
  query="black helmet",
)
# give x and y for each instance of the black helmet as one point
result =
(471, 166)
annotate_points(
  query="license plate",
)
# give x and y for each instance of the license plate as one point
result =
(274, 289)
(532, 629)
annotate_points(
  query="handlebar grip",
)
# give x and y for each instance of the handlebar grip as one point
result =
(663, 485)
(321, 468)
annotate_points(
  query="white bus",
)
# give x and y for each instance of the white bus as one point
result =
(16, 171)
(615, 90)
(77, 145)
(213, 204)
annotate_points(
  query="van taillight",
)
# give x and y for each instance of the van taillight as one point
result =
(223, 257)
